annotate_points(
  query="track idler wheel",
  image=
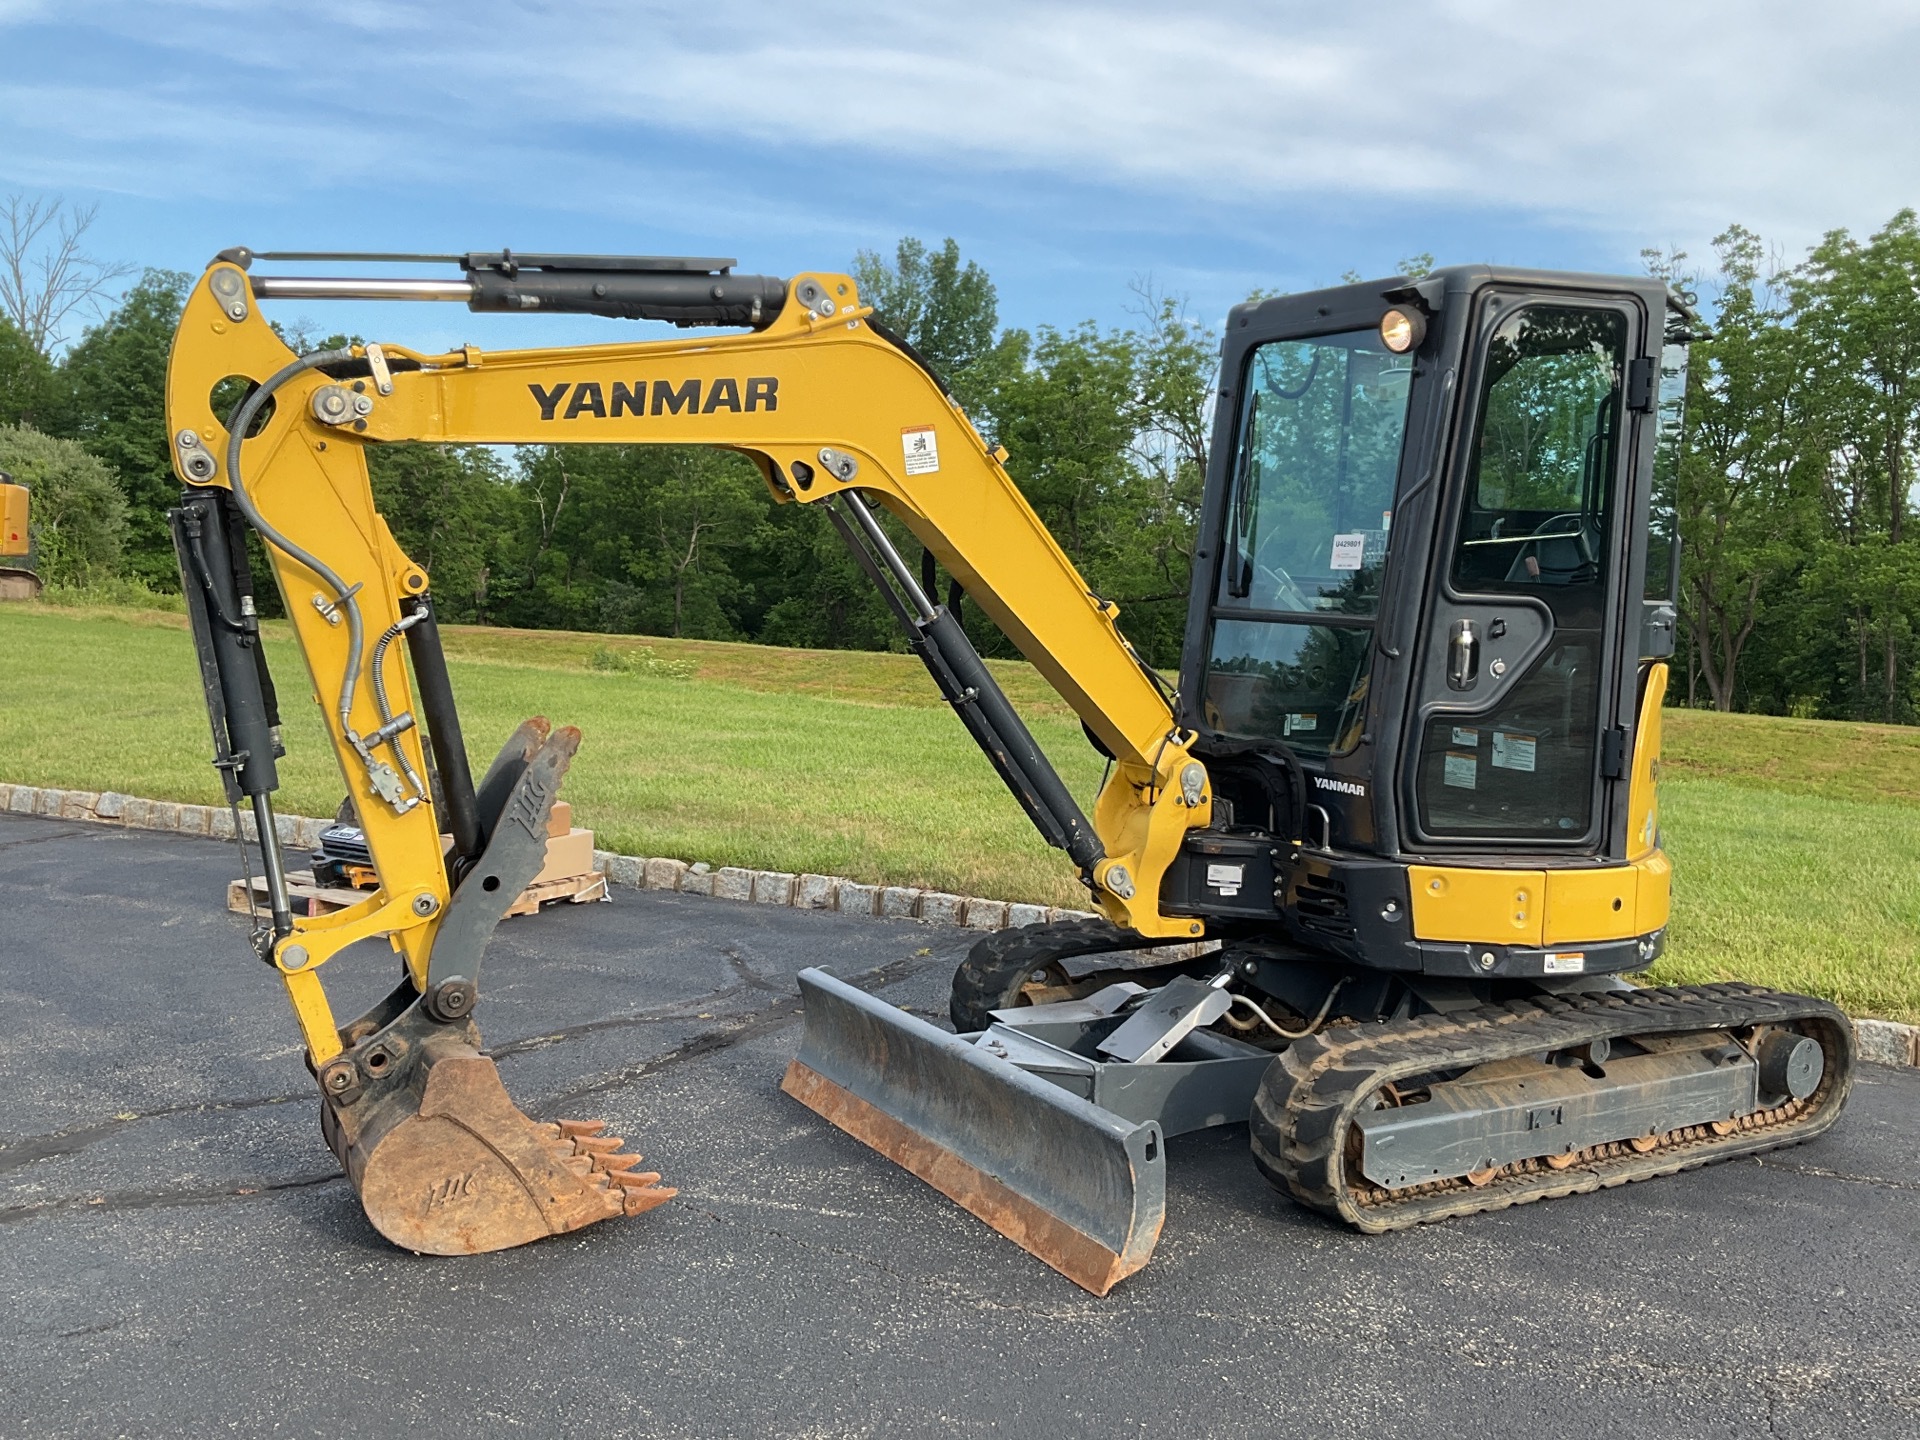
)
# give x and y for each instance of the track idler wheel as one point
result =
(446, 1164)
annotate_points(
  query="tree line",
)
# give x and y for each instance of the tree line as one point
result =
(1793, 487)
(1800, 578)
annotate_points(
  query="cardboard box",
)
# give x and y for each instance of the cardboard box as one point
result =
(567, 855)
(560, 823)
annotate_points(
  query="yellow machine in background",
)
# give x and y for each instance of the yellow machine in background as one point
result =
(1407, 779)
(17, 582)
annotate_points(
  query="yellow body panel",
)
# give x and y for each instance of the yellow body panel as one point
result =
(1654, 897)
(14, 539)
(1643, 794)
(1540, 907)
(1497, 907)
(1585, 905)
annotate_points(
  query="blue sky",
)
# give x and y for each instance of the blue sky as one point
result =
(1073, 149)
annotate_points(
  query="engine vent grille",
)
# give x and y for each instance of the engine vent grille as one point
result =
(1320, 901)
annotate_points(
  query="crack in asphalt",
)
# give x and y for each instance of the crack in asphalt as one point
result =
(755, 1023)
(656, 1015)
(75, 834)
(118, 1200)
(1821, 1172)
(750, 979)
(768, 1018)
(74, 1139)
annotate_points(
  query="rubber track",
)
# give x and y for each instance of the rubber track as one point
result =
(989, 978)
(1303, 1113)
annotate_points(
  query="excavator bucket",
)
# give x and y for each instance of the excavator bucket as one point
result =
(443, 1161)
(1075, 1185)
(445, 1164)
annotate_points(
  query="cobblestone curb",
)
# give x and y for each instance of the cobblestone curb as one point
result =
(761, 887)
(1883, 1042)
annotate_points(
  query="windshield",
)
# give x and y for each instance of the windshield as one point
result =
(1319, 447)
(1308, 517)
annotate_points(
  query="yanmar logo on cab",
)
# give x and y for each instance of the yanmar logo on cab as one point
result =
(1344, 787)
(756, 392)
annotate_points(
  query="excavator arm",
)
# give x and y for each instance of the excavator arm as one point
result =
(832, 410)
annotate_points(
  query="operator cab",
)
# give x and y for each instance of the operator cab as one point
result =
(1435, 567)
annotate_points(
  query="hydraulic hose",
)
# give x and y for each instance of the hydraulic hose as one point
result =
(1275, 1026)
(385, 707)
(238, 424)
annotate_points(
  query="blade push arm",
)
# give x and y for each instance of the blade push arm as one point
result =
(830, 411)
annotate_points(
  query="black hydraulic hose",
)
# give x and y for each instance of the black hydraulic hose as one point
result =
(216, 606)
(906, 347)
(238, 424)
(387, 727)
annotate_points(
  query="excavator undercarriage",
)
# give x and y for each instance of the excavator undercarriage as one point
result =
(1368, 877)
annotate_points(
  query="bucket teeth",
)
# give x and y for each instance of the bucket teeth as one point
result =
(446, 1164)
(641, 1193)
(577, 1145)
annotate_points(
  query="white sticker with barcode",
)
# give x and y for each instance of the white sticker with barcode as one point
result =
(1226, 878)
(1349, 551)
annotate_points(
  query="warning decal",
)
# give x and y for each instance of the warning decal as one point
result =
(922, 453)
(1460, 771)
(1511, 751)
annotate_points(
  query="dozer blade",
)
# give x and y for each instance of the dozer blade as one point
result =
(445, 1164)
(1073, 1184)
(443, 1161)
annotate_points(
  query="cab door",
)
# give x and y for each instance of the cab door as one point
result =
(1517, 740)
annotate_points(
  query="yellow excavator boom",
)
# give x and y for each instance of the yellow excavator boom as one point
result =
(832, 413)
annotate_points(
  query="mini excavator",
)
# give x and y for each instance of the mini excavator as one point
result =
(1366, 878)
(17, 581)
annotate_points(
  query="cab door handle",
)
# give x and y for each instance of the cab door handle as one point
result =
(1463, 656)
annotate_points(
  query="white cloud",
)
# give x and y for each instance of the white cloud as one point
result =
(1630, 119)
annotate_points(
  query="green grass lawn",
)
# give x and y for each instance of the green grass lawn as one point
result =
(1793, 840)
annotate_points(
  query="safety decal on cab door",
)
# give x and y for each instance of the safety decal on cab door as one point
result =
(922, 452)
(1513, 752)
(1460, 771)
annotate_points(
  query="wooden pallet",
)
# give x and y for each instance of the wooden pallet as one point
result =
(317, 899)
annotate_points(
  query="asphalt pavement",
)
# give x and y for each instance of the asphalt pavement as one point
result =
(179, 1254)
